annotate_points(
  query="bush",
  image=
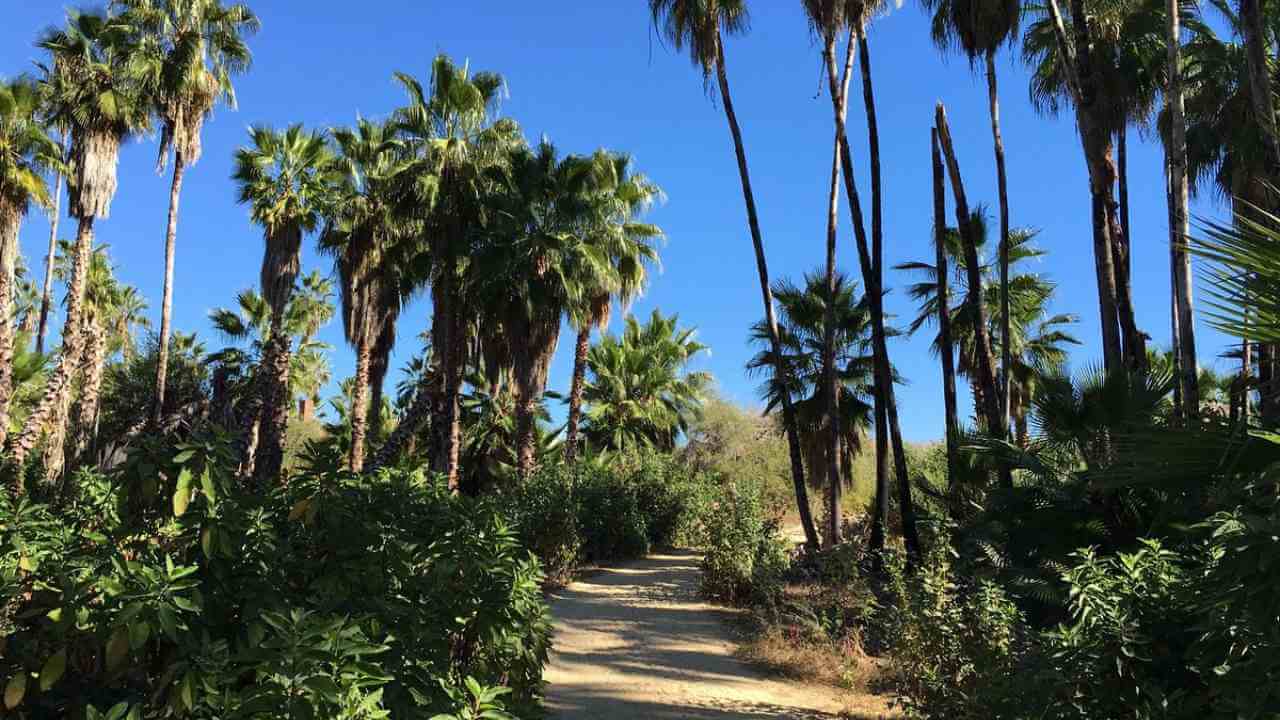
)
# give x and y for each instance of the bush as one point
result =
(745, 559)
(169, 588)
(592, 512)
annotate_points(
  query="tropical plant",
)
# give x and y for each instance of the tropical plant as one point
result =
(639, 393)
(88, 88)
(621, 195)
(187, 53)
(286, 179)
(26, 152)
(805, 312)
(451, 129)
(700, 26)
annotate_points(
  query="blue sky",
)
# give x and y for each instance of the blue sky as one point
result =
(593, 74)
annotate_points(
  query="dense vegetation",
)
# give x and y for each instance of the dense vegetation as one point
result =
(186, 533)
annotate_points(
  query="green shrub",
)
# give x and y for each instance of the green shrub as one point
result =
(745, 559)
(171, 589)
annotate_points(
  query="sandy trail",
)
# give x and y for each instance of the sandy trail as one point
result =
(637, 642)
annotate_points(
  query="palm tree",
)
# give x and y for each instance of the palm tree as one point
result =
(699, 25)
(943, 301)
(188, 51)
(363, 224)
(639, 393)
(621, 196)
(26, 152)
(286, 178)
(1080, 58)
(532, 269)
(451, 130)
(806, 340)
(89, 90)
(55, 213)
(978, 28)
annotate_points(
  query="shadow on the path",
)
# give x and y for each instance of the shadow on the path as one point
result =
(638, 642)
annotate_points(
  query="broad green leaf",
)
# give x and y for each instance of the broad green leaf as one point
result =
(182, 496)
(53, 669)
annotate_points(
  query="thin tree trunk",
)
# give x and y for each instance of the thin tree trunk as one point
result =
(985, 371)
(378, 366)
(1188, 378)
(1002, 185)
(788, 411)
(880, 509)
(575, 392)
(1122, 177)
(58, 387)
(46, 299)
(879, 336)
(830, 379)
(1135, 344)
(360, 405)
(944, 310)
(10, 220)
(166, 305)
(1246, 380)
(831, 391)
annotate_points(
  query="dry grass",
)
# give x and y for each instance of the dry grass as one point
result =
(797, 653)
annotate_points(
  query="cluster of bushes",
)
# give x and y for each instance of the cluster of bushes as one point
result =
(593, 512)
(169, 588)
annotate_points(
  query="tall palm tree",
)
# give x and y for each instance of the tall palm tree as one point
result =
(55, 214)
(806, 339)
(90, 91)
(363, 223)
(700, 25)
(943, 296)
(450, 126)
(285, 177)
(26, 152)
(639, 392)
(1080, 59)
(978, 28)
(621, 195)
(1184, 339)
(188, 52)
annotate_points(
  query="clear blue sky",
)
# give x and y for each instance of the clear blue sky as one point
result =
(592, 74)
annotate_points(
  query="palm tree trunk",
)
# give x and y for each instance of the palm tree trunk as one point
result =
(575, 392)
(10, 220)
(1135, 344)
(1256, 57)
(58, 387)
(880, 509)
(95, 358)
(166, 305)
(534, 346)
(1095, 140)
(378, 365)
(835, 480)
(360, 405)
(944, 311)
(879, 336)
(1186, 341)
(830, 379)
(1002, 186)
(986, 376)
(46, 299)
(269, 459)
(1246, 380)
(1122, 177)
(762, 268)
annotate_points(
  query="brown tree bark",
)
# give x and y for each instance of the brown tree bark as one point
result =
(1256, 55)
(580, 350)
(944, 310)
(269, 458)
(1095, 139)
(533, 350)
(58, 386)
(95, 359)
(1002, 185)
(10, 220)
(166, 305)
(762, 268)
(360, 405)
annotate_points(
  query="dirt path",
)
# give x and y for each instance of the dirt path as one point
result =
(637, 642)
